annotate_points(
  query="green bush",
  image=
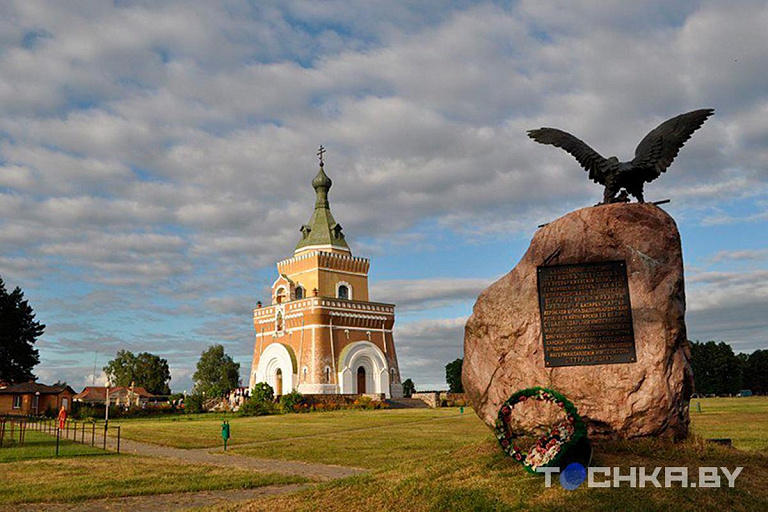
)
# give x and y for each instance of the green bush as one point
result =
(291, 402)
(263, 392)
(254, 407)
(87, 412)
(193, 404)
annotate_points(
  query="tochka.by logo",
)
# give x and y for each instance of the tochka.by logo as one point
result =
(575, 474)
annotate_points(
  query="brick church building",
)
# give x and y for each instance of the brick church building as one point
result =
(321, 334)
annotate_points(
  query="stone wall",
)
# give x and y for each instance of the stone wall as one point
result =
(431, 398)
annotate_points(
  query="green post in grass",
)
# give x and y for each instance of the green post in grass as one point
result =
(225, 433)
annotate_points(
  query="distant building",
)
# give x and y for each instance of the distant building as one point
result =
(321, 334)
(32, 398)
(118, 395)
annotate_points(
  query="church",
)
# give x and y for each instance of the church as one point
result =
(321, 334)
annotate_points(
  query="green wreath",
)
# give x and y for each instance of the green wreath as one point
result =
(550, 447)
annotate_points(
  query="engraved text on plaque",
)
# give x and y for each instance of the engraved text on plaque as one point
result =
(586, 317)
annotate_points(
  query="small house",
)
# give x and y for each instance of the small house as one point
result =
(32, 398)
(135, 396)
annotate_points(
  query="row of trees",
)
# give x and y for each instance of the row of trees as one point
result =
(217, 373)
(717, 370)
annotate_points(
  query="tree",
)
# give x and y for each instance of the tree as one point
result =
(146, 370)
(18, 333)
(453, 376)
(409, 388)
(756, 372)
(217, 373)
(262, 392)
(716, 369)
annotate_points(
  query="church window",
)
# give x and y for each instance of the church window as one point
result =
(343, 292)
(299, 293)
(304, 374)
(279, 321)
(280, 295)
(327, 374)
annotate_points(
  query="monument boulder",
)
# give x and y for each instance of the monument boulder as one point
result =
(639, 389)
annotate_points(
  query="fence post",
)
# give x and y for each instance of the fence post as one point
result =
(58, 436)
(118, 439)
(93, 433)
(105, 435)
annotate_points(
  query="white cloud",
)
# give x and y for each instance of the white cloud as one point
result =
(419, 294)
(171, 146)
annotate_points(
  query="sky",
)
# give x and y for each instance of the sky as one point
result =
(156, 158)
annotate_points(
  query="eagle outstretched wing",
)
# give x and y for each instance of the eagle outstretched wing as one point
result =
(659, 148)
(589, 159)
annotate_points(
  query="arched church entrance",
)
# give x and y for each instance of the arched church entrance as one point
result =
(277, 368)
(363, 368)
(361, 380)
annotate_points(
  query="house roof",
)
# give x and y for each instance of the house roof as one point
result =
(30, 388)
(99, 393)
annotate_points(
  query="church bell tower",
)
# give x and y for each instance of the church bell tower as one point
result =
(321, 334)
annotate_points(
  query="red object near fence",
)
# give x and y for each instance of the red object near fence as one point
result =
(62, 418)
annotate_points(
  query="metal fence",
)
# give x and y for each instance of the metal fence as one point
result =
(93, 433)
(12, 427)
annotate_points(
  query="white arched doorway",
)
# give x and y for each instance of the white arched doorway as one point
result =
(363, 369)
(277, 367)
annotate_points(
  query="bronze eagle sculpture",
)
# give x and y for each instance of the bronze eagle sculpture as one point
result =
(653, 155)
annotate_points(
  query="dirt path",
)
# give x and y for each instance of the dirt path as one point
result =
(175, 501)
(311, 470)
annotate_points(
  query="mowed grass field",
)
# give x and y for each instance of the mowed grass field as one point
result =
(32, 473)
(38, 445)
(419, 459)
(744, 420)
(204, 430)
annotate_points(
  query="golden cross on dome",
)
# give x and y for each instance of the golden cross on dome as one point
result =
(320, 153)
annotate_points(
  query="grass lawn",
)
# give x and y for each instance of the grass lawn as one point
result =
(479, 477)
(744, 420)
(420, 459)
(380, 447)
(38, 445)
(454, 464)
(204, 430)
(82, 478)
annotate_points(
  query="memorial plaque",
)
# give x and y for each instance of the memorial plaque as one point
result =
(586, 317)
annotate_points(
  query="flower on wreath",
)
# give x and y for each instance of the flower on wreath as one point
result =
(551, 446)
